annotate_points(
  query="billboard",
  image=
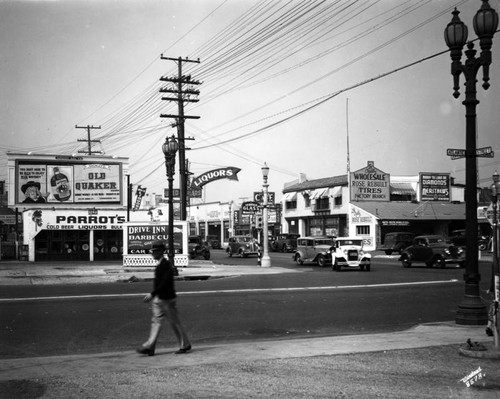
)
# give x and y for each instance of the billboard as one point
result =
(67, 183)
(434, 187)
(370, 184)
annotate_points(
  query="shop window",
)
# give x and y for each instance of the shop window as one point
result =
(362, 230)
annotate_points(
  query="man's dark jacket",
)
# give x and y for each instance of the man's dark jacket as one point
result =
(163, 285)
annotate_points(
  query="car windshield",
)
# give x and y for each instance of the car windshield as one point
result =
(194, 240)
(350, 242)
(436, 240)
(245, 239)
(323, 242)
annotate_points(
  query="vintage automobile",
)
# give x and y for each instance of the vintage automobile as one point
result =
(197, 247)
(348, 252)
(242, 246)
(314, 249)
(285, 242)
(214, 242)
(458, 239)
(434, 251)
(396, 242)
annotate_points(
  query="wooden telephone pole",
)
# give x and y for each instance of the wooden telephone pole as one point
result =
(183, 88)
(88, 140)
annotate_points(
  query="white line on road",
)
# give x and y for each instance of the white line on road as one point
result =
(333, 287)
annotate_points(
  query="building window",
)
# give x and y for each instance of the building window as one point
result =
(322, 204)
(362, 230)
(337, 201)
(291, 204)
(307, 201)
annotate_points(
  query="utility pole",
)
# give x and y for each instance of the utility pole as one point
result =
(183, 87)
(88, 140)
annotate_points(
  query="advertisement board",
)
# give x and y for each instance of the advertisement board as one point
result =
(139, 237)
(370, 184)
(434, 186)
(68, 183)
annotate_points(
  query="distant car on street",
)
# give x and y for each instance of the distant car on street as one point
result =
(316, 249)
(433, 251)
(197, 247)
(396, 242)
(285, 242)
(214, 242)
(348, 252)
(458, 239)
(242, 246)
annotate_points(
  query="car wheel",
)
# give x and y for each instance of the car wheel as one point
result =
(241, 253)
(439, 262)
(321, 261)
(388, 252)
(462, 265)
(298, 260)
(368, 267)
(336, 265)
(362, 267)
(206, 255)
(406, 261)
(229, 253)
(482, 246)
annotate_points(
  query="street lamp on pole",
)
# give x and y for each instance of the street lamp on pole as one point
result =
(169, 148)
(472, 310)
(495, 192)
(266, 259)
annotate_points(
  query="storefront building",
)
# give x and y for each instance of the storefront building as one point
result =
(370, 203)
(73, 207)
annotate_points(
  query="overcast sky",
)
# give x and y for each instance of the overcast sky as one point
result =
(283, 82)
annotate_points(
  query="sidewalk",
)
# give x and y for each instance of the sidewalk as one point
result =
(427, 361)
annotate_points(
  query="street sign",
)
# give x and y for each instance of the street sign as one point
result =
(485, 152)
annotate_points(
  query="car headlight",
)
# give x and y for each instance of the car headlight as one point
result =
(460, 251)
(345, 251)
(361, 252)
(447, 251)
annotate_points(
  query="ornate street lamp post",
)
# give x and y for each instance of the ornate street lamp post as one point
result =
(169, 148)
(472, 310)
(495, 191)
(266, 259)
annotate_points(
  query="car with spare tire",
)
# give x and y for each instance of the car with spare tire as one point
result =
(317, 249)
(433, 251)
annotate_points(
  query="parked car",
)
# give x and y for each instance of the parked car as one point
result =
(458, 239)
(434, 251)
(314, 249)
(197, 247)
(285, 242)
(396, 242)
(214, 242)
(242, 246)
(348, 252)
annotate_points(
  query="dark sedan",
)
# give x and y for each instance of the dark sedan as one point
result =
(433, 251)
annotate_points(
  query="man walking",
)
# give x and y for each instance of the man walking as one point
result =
(164, 304)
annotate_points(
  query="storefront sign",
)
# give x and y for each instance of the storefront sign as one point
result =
(435, 187)
(258, 196)
(36, 220)
(139, 237)
(370, 184)
(69, 183)
(229, 172)
(395, 223)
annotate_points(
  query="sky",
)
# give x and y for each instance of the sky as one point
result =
(308, 87)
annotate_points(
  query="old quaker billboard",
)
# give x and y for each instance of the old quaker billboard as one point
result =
(55, 182)
(434, 186)
(370, 184)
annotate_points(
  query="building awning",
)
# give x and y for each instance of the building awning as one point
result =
(335, 192)
(290, 197)
(402, 189)
(319, 193)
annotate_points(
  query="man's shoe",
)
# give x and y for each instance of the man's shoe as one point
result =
(183, 350)
(146, 351)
